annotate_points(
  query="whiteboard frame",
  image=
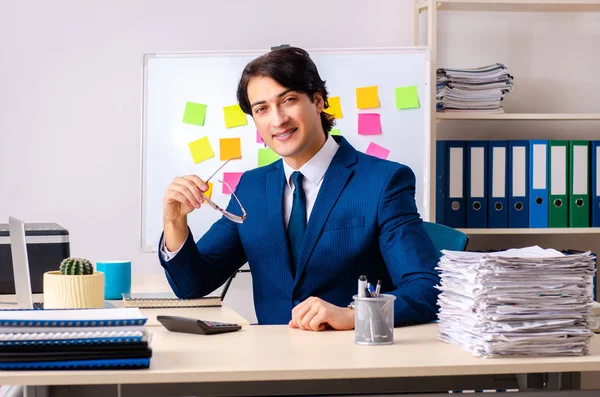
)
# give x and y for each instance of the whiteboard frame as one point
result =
(425, 212)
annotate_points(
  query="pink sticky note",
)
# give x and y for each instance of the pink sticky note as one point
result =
(369, 124)
(377, 151)
(232, 179)
(259, 138)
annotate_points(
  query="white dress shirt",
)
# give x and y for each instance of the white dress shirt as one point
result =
(313, 171)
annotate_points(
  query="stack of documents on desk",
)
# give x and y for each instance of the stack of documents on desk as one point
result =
(73, 339)
(527, 301)
(473, 90)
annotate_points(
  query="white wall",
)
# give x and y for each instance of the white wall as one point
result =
(70, 98)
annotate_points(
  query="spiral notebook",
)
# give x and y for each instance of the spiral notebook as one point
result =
(71, 318)
(167, 299)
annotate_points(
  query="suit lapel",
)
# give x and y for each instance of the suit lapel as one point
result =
(335, 180)
(274, 193)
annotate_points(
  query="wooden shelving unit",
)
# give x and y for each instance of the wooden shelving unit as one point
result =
(514, 5)
(532, 231)
(432, 8)
(518, 116)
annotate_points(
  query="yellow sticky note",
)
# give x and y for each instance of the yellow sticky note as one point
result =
(208, 193)
(201, 150)
(367, 97)
(230, 148)
(335, 132)
(234, 117)
(335, 107)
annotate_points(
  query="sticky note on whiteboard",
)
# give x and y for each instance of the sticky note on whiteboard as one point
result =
(234, 117)
(367, 97)
(335, 107)
(369, 124)
(266, 156)
(201, 150)
(194, 113)
(230, 148)
(232, 179)
(407, 97)
(378, 151)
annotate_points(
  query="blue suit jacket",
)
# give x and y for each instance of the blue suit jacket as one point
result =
(364, 221)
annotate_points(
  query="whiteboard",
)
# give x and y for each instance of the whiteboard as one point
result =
(211, 78)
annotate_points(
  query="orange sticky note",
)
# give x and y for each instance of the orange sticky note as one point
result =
(208, 193)
(335, 107)
(201, 150)
(234, 117)
(230, 148)
(367, 97)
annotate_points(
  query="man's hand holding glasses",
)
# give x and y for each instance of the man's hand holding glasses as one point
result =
(185, 194)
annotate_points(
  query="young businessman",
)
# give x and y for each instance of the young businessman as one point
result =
(316, 220)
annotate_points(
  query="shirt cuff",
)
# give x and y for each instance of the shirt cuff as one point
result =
(168, 255)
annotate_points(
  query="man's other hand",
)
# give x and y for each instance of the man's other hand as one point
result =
(314, 314)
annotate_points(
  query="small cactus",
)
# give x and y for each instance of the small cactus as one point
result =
(76, 266)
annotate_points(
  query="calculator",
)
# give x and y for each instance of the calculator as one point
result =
(194, 326)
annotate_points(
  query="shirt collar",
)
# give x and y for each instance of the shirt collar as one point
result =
(315, 168)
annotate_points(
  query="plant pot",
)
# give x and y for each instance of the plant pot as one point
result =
(73, 292)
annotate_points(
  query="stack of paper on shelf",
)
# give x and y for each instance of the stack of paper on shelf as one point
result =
(73, 339)
(520, 302)
(473, 90)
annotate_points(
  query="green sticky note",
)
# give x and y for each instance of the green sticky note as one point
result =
(194, 113)
(335, 132)
(266, 156)
(234, 116)
(407, 97)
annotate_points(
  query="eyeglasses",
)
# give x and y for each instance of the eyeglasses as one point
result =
(232, 217)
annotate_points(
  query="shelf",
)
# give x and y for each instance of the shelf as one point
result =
(518, 116)
(515, 5)
(583, 230)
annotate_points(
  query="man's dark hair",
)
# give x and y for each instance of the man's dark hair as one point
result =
(292, 68)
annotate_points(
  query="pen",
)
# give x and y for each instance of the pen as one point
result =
(362, 285)
(367, 293)
(378, 288)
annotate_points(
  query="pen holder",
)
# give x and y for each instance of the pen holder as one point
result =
(374, 320)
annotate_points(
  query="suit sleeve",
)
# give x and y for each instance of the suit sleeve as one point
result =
(200, 268)
(408, 251)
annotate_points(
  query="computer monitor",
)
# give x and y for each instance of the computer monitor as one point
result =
(20, 262)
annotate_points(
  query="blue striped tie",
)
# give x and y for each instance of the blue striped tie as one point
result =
(297, 223)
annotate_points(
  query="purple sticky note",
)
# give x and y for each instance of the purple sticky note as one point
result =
(377, 151)
(259, 138)
(369, 124)
(232, 179)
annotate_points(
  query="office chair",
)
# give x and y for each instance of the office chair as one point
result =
(445, 237)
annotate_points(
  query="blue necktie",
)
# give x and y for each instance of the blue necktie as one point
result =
(297, 223)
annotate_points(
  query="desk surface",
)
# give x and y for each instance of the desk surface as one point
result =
(266, 353)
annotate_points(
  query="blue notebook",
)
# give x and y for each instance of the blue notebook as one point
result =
(71, 318)
(122, 363)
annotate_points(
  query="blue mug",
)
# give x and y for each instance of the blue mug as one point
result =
(117, 278)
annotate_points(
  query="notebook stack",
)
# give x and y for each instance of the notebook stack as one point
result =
(473, 90)
(73, 339)
(520, 302)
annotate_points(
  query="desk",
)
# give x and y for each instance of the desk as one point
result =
(281, 360)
